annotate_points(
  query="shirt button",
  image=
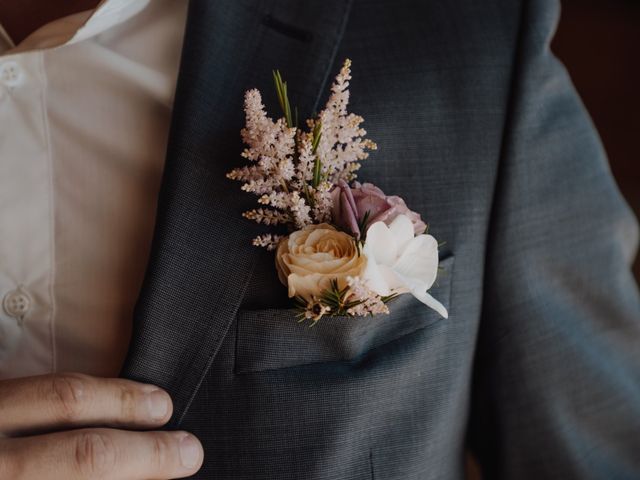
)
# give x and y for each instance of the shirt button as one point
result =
(11, 74)
(16, 303)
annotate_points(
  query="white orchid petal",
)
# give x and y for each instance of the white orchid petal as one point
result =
(431, 302)
(402, 230)
(419, 260)
(393, 280)
(381, 245)
(374, 278)
(411, 284)
(398, 261)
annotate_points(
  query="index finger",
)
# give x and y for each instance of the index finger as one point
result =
(51, 402)
(101, 453)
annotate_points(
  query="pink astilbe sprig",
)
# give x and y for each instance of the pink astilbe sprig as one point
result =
(322, 202)
(342, 144)
(267, 141)
(268, 241)
(368, 302)
(271, 145)
(267, 216)
(306, 161)
(292, 171)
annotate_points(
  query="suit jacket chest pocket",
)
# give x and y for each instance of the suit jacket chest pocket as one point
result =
(269, 339)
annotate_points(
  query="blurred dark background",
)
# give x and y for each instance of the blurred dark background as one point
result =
(599, 42)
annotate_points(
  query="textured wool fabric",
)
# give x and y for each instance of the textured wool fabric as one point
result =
(538, 366)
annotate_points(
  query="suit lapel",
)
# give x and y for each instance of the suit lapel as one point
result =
(201, 257)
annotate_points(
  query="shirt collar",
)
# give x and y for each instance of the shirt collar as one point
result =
(75, 28)
(107, 14)
(5, 40)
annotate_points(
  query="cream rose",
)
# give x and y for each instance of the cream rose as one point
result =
(309, 259)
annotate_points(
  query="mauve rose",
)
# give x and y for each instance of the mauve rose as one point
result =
(351, 204)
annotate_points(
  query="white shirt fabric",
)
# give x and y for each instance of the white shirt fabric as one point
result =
(85, 106)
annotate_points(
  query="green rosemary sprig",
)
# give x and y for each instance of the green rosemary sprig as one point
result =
(333, 302)
(363, 225)
(283, 98)
(292, 121)
(317, 165)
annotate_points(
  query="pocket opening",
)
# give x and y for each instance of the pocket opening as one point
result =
(271, 339)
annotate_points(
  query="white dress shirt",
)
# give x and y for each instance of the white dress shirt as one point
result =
(85, 106)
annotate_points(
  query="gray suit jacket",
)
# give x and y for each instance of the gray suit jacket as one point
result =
(480, 130)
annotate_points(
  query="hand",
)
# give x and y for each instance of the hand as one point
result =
(73, 406)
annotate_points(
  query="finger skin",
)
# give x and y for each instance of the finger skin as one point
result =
(99, 454)
(54, 402)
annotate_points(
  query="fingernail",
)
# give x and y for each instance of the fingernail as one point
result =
(157, 404)
(189, 451)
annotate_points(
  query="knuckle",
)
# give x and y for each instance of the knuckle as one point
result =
(94, 454)
(128, 402)
(162, 449)
(69, 394)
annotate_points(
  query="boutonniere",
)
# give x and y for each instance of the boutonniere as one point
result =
(346, 248)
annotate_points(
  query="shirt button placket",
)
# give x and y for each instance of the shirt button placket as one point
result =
(17, 304)
(11, 73)
(26, 336)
